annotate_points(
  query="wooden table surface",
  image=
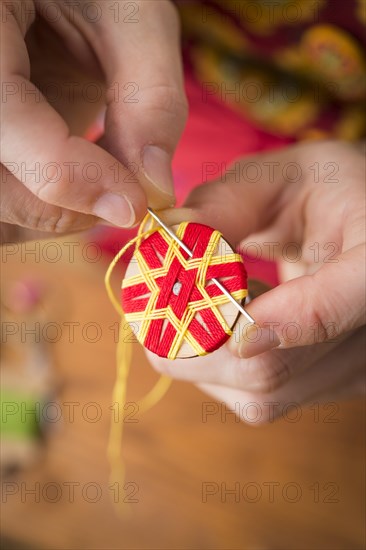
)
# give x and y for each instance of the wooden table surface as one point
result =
(297, 485)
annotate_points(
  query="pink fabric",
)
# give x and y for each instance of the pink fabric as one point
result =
(214, 134)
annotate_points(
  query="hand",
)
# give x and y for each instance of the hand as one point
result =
(308, 341)
(82, 55)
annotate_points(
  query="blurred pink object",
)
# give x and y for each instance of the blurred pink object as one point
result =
(23, 295)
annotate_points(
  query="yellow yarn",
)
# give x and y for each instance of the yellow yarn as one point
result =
(123, 357)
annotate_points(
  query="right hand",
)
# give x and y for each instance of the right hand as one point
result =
(309, 338)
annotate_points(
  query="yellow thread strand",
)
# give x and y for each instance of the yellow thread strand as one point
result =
(117, 466)
(123, 359)
(155, 394)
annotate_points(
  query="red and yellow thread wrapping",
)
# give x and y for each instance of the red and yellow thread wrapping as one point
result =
(167, 319)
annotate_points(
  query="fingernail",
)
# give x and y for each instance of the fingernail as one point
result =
(157, 168)
(115, 209)
(258, 340)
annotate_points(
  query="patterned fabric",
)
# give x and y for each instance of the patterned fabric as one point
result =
(296, 68)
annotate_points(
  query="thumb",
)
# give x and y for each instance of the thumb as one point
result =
(146, 103)
(319, 308)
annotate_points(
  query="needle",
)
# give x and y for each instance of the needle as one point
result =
(190, 254)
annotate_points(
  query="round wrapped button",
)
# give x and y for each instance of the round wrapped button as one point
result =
(169, 299)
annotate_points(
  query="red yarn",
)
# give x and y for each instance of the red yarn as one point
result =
(135, 298)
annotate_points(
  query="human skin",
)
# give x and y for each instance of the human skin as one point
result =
(326, 299)
(309, 338)
(135, 59)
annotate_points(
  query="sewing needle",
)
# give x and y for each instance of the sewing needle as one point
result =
(190, 254)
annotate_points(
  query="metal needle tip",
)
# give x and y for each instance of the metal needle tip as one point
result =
(170, 232)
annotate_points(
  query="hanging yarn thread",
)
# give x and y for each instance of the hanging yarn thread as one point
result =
(123, 361)
(172, 305)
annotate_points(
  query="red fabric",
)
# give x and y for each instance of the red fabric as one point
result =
(154, 250)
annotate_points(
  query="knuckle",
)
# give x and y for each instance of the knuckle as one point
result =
(324, 329)
(49, 218)
(48, 189)
(269, 373)
(169, 99)
(59, 222)
(323, 315)
(44, 218)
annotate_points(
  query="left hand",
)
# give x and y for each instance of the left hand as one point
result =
(61, 62)
(309, 339)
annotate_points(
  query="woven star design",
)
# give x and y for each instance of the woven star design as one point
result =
(172, 298)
